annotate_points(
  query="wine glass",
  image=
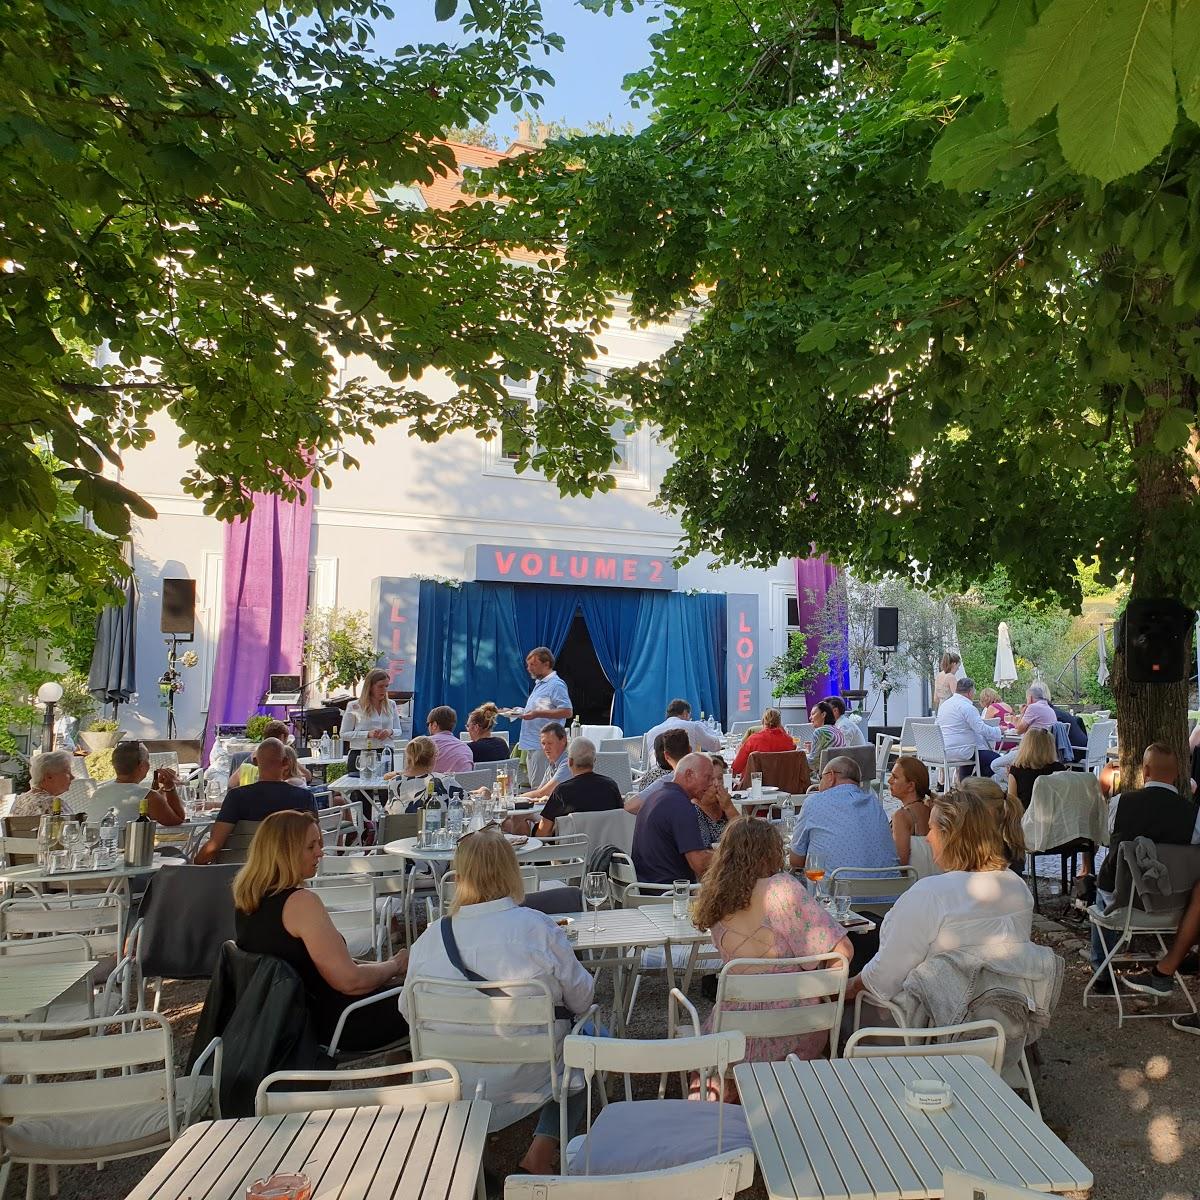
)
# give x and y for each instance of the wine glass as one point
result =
(595, 892)
(814, 872)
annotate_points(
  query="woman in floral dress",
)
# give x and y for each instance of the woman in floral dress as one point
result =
(755, 909)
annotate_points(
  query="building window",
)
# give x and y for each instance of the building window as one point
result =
(631, 446)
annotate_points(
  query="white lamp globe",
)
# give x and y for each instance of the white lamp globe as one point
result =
(50, 693)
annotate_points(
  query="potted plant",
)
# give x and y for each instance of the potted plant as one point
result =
(256, 726)
(790, 673)
(339, 647)
(103, 734)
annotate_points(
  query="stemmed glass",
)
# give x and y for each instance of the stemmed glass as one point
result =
(595, 892)
(814, 872)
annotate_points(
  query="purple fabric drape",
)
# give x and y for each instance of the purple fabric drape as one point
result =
(263, 606)
(815, 578)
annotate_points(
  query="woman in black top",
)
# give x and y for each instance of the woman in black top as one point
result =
(1037, 755)
(485, 746)
(277, 915)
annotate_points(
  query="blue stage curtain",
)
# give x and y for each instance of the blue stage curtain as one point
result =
(543, 615)
(468, 650)
(677, 650)
(612, 618)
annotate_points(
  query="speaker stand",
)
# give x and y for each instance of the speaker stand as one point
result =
(170, 681)
(885, 684)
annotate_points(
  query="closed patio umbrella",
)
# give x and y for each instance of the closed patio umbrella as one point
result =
(1101, 658)
(1005, 673)
(112, 677)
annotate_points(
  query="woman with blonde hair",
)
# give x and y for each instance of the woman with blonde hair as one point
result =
(277, 915)
(372, 713)
(770, 739)
(410, 794)
(909, 783)
(976, 904)
(992, 706)
(488, 935)
(754, 909)
(945, 682)
(1037, 755)
(485, 745)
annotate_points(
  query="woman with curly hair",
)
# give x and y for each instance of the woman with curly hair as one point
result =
(754, 909)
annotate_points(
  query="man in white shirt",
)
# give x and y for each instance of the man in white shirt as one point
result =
(848, 723)
(963, 728)
(679, 716)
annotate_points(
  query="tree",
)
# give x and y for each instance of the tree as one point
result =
(944, 263)
(198, 221)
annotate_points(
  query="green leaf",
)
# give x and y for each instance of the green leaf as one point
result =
(972, 148)
(1041, 70)
(443, 10)
(1121, 111)
(1187, 55)
(965, 16)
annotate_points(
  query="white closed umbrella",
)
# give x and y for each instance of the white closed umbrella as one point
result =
(1101, 658)
(1005, 673)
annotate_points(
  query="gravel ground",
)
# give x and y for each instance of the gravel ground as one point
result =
(1123, 1100)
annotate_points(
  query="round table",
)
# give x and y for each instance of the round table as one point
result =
(33, 875)
(408, 848)
(355, 783)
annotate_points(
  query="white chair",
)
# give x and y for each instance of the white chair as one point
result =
(99, 917)
(615, 764)
(340, 823)
(448, 884)
(471, 781)
(18, 851)
(621, 874)
(985, 1039)
(1101, 736)
(931, 750)
(959, 1186)
(561, 861)
(810, 992)
(164, 758)
(883, 760)
(1067, 815)
(81, 1002)
(85, 1098)
(387, 1088)
(804, 731)
(387, 877)
(631, 1136)
(631, 746)
(612, 828)
(740, 727)
(907, 738)
(876, 888)
(649, 960)
(351, 907)
(718, 1178)
(601, 733)
(505, 1022)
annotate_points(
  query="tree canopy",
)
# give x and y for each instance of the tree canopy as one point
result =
(204, 207)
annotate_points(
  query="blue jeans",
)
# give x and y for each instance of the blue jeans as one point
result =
(547, 1125)
(1103, 940)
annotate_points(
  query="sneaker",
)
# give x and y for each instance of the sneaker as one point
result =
(1149, 982)
(1102, 987)
(1188, 1024)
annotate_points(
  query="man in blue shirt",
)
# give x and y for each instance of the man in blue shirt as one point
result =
(670, 840)
(549, 700)
(842, 825)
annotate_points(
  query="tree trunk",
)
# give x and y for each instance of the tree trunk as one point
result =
(1153, 712)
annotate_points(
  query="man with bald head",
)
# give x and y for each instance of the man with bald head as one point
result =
(270, 793)
(1156, 811)
(673, 837)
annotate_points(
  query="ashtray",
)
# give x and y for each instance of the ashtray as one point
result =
(928, 1094)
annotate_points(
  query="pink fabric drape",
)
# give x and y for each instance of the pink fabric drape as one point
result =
(815, 577)
(263, 606)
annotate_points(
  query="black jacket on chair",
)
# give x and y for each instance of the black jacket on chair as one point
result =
(1157, 813)
(257, 1005)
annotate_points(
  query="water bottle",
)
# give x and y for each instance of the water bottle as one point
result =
(454, 818)
(385, 760)
(326, 745)
(575, 727)
(44, 840)
(789, 819)
(108, 836)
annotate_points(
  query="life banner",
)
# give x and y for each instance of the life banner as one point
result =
(742, 658)
(394, 603)
(579, 568)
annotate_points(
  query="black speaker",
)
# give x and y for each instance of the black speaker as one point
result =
(178, 607)
(1155, 635)
(887, 628)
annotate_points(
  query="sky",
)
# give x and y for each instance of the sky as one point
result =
(599, 52)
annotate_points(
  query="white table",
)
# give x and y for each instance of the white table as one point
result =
(842, 1129)
(433, 1150)
(408, 848)
(119, 875)
(26, 987)
(356, 783)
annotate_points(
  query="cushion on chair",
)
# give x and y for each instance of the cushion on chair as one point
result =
(652, 1135)
(113, 1130)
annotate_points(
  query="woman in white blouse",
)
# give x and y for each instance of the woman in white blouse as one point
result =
(976, 904)
(372, 713)
(498, 939)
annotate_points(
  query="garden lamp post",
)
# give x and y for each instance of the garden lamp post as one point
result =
(49, 694)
